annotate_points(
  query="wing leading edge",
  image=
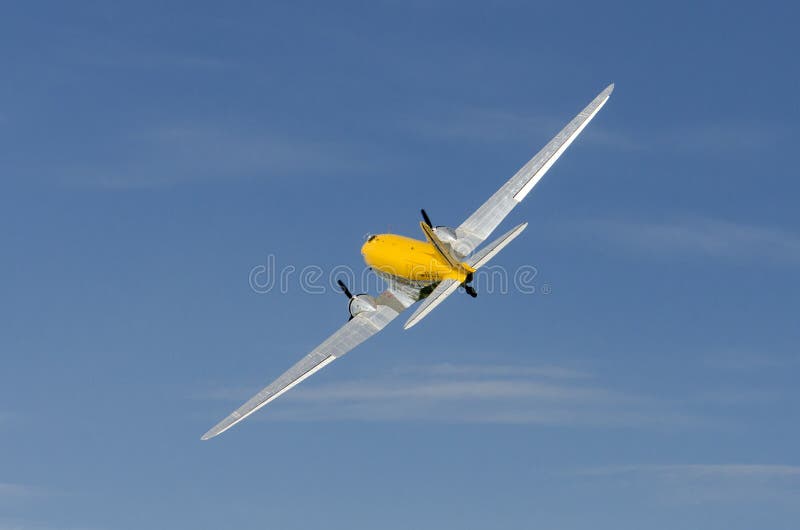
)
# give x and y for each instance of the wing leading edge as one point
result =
(482, 223)
(485, 219)
(354, 332)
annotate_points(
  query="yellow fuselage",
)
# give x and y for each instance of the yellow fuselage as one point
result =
(409, 259)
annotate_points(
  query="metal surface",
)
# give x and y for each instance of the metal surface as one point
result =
(361, 303)
(482, 223)
(356, 331)
(448, 287)
(442, 291)
(404, 290)
(479, 259)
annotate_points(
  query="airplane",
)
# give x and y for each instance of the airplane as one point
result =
(422, 271)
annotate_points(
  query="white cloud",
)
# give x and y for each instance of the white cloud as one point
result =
(12, 493)
(718, 139)
(750, 361)
(24, 524)
(501, 370)
(700, 470)
(492, 125)
(12, 490)
(705, 483)
(471, 394)
(175, 154)
(496, 124)
(702, 236)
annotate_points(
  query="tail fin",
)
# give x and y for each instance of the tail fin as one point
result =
(442, 249)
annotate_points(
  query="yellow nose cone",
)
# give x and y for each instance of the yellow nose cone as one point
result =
(367, 244)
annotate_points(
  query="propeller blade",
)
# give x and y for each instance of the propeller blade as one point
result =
(344, 289)
(426, 218)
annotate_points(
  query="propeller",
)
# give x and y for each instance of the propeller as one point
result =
(467, 287)
(344, 289)
(426, 218)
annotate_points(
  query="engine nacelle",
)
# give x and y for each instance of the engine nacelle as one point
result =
(459, 248)
(361, 303)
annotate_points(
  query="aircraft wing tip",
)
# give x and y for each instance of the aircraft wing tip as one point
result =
(216, 430)
(414, 319)
(207, 436)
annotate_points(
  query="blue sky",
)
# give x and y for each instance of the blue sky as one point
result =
(152, 155)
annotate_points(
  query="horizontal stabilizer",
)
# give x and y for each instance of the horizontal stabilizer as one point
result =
(448, 287)
(489, 251)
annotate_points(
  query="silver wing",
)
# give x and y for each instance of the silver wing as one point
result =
(394, 301)
(361, 327)
(476, 261)
(482, 223)
(479, 259)
(437, 296)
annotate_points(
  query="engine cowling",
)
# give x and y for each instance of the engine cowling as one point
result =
(361, 303)
(459, 247)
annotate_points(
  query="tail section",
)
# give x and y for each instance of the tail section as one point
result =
(489, 251)
(444, 250)
(448, 287)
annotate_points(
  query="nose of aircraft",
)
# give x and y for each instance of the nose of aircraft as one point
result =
(368, 244)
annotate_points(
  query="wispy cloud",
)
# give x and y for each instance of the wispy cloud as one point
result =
(25, 524)
(750, 361)
(176, 154)
(701, 236)
(13, 494)
(702, 483)
(471, 394)
(494, 125)
(501, 370)
(12, 490)
(138, 59)
(479, 124)
(700, 470)
(718, 139)
(489, 125)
